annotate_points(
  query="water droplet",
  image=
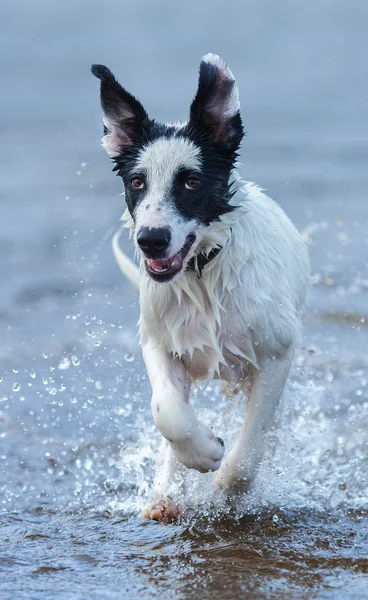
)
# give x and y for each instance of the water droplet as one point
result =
(88, 464)
(15, 387)
(75, 360)
(275, 519)
(129, 357)
(64, 364)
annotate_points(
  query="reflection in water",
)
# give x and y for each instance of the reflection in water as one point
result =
(288, 554)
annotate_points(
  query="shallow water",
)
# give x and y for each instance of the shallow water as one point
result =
(77, 443)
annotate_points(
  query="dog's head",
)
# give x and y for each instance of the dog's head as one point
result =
(176, 177)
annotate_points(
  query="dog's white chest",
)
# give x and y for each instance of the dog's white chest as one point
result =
(193, 326)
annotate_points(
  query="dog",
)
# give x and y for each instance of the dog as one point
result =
(222, 279)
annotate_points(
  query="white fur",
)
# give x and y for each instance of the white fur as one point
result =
(239, 322)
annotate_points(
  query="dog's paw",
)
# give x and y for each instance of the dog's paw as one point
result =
(201, 450)
(164, 510)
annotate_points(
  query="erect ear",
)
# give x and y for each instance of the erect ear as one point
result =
(124, 117)
(215, 109)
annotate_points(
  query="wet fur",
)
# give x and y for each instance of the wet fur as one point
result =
(239, 318)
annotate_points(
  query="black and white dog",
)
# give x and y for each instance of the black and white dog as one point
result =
(222, 279)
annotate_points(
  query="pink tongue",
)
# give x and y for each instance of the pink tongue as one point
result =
(164, 264)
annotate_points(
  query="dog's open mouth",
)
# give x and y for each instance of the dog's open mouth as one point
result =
(164, 269)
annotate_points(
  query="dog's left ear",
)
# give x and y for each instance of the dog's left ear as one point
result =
(124, 117)
(215, 110)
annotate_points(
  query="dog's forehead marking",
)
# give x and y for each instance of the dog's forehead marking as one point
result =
(163, 157)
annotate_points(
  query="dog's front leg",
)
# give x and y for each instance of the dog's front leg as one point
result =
(192, 444)
(240, 466)
(162, 507)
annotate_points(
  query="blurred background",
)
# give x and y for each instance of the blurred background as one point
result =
(75, 426)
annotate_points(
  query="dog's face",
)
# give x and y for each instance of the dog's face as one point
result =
(176, 177)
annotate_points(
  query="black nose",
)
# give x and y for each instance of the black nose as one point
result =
(154, 241)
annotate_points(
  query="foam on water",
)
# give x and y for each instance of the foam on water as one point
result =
(315, 455)
(91, 430)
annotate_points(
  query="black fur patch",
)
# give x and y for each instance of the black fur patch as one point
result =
(120, 106)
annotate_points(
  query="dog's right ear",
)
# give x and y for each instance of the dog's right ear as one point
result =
(124, 117)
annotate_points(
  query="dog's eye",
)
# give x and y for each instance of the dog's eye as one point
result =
(192, 183)
(137, 183)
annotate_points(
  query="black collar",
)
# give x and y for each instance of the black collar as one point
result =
(198, 262)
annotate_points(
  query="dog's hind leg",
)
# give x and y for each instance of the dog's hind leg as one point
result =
(240, 466)
(193, 445)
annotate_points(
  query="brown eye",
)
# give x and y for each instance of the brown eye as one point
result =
(137, 183)
(192, 183)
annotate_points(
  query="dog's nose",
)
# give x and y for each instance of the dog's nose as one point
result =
(154, 241)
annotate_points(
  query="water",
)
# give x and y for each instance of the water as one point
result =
(77, 443)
